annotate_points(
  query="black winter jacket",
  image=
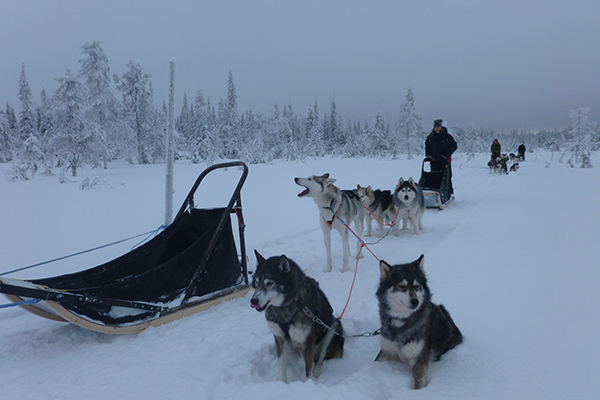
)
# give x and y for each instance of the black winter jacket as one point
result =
(441, 144)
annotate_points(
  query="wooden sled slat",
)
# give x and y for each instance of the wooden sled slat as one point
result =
(166, 317)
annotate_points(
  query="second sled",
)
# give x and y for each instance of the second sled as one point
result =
(436, 185)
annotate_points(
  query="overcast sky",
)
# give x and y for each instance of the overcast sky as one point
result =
(510, 64)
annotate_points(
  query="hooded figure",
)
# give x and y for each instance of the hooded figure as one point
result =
(495, 149)
(439, 146)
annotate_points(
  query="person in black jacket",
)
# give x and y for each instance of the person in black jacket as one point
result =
(521, 151)
(439, 146)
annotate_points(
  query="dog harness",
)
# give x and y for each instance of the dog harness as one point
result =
(331, 204)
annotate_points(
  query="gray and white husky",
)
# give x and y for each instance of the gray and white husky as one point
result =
(381, 207)
(409, 198)
(414, 330)
(290, 299)
(334, 205)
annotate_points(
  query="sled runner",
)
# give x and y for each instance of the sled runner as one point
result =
(436, 186)
(190, 266)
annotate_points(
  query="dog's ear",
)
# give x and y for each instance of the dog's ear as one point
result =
(421, 263)
(385, 269)
(357, 187)
(259, 259)
(327, 179)
(411, 182)
(400, 183)
(284, 263)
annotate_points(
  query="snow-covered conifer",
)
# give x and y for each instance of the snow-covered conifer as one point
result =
(409, 128)
(74, 140)
(136, 89)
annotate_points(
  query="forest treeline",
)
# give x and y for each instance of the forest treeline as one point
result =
(95, 117)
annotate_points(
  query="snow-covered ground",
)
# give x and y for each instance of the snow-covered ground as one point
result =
(514, 260)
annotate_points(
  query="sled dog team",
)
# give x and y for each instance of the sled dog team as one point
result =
(338, 208)
(413, 329)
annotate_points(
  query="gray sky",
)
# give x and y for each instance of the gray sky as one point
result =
(509, 64)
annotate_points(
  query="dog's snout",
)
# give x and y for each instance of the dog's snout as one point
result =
(253, 302)
(414, 302)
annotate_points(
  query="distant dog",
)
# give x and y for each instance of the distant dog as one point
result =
(514, 167)
(409, 198)
(335, 206)
(288, 297)
(381, 207)
(414, 330)
(501, 166)
(493, 164)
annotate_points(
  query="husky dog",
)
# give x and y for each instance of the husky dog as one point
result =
(380, 203)
(409, 198)
(283, 291)
(414, 330)
(514, 167)
(493, 164)
(335, 206)
(502, 167)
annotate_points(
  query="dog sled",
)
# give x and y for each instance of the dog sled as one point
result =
(436, 185)
(190, 266)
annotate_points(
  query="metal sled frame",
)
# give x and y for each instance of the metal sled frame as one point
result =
(54, 304)
(436, 196)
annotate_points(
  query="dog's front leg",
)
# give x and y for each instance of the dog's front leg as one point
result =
(358, 225)
(404, 222)
(395, 226)
(415, 222)
(282, 353)
(346, 247)
(368, 219)
(419, 372)
(379, 229)
(326, 228)
(309, 359)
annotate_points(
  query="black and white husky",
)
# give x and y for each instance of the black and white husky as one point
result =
(381, 207)
(290, 299)
(414, 330)
(409, 198)
(335, 206)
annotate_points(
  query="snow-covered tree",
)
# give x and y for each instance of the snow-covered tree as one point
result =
(315, 146)
(99, 99)
(184, 125)
(228, 127)
(6, 139)
(29, 152)
(44, 131)
(377, 138)
(255, 150)
(580, 138)
(409, 128)
(136, 89)
(75, 140)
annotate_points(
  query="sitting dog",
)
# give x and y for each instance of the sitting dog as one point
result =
(414, 330)
(335, 206)
(381, 207)
(290, 299)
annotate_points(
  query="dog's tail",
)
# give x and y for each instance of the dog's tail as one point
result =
(455, 336)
